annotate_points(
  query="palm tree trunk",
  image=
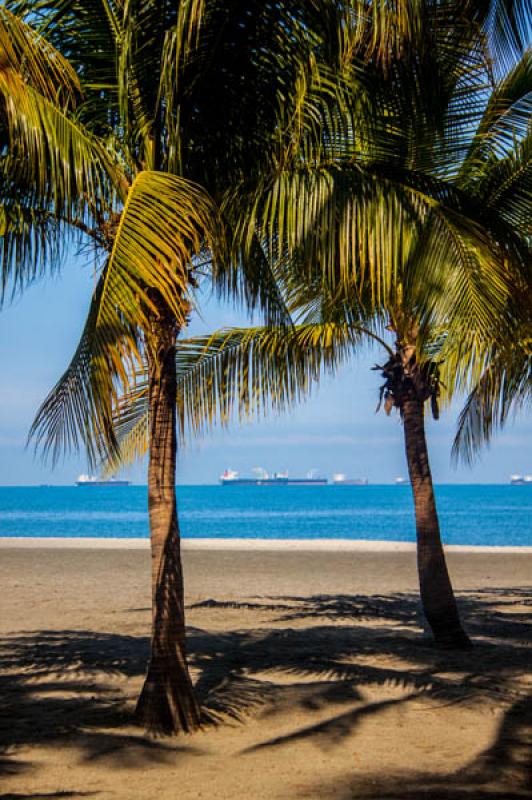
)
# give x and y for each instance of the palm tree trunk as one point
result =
(166, 703)
(436, 591)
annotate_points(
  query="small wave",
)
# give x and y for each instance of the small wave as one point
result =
(236, 514)
(76, 516)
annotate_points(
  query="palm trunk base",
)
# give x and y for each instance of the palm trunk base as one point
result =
(441, 635)
(451, 639)
(167, 704)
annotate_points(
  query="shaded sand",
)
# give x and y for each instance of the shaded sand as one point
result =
(311, 666)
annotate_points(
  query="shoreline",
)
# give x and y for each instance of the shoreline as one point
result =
(267, 545)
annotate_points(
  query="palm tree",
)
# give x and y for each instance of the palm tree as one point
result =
(156, 80)
(435, 259)
(447, 257)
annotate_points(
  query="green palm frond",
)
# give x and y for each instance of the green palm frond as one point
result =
(503, 388)
(78, 411)
(166, 221)
(371, 232)
(89, 33)
(80, 29)
(509, 191)
(52, 152)
(250, 371)
(462, 277)
(55, 173)
(48, 154)
(341, 223)
(505, 122)
(507, 25)
(31, 242)
(236, 372)
(28, 57)
(387, 32)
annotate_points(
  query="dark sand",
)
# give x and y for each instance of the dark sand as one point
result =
(311, 666)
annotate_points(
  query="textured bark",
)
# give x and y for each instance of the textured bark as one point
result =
(167, 703)
(437, 596)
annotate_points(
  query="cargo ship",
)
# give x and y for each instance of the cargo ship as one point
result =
(90, 480)
(339, 479)
(263, 478)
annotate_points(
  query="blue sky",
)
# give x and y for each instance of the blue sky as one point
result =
(337, 430)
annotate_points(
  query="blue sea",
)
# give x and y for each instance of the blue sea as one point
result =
(469, 514)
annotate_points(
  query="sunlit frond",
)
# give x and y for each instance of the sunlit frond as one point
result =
(165, 222)
(462, 277)
(387, 31)
(78, 411)
(49, 156)
(53, 153)
(341, 223)
(503, 388)
(29, 56)
(366, 231)
(237, 372)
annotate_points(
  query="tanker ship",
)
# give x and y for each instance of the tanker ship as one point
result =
(90, 480)
(263, 478)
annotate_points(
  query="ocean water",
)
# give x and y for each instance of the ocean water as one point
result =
(469, 514)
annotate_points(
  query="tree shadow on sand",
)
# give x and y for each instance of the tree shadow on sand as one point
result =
(497, 669)
(502, 772)
(383, 647)
(66, 688)
(316, 653)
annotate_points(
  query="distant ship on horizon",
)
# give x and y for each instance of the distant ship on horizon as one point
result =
(90, 480)
(262, 478)
(521, 480)
(339, 479)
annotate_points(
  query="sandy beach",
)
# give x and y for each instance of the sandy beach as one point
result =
(315, 677)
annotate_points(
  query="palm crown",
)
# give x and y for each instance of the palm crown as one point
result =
(165, 162)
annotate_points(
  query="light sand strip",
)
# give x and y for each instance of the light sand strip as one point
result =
(328, 545)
